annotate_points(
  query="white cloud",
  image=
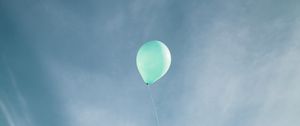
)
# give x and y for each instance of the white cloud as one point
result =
(237, 77)
(6, 114)
(8, 107)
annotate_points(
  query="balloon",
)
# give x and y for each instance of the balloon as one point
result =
(153, 61)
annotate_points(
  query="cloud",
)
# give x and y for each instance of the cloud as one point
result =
(6, 114)
(14, 115)
(95, 98)
(236, 77)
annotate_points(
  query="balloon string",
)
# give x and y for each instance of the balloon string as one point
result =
(154, 106)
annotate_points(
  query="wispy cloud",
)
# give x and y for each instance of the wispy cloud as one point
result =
(7, 114)
(14, 117)
(237, 77)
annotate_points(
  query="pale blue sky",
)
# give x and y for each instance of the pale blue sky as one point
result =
(72, 62)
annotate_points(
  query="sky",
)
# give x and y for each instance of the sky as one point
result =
(73, 63)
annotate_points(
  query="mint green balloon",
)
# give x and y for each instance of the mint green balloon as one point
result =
(153, 61)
